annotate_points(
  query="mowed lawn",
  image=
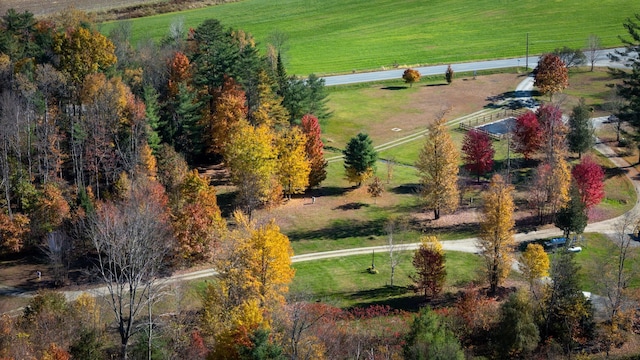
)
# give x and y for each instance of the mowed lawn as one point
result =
(338, 36)
(345, 282)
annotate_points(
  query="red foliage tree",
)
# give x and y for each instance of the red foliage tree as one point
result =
(430, 271)
(478, 151)
(314, 149)
(554, 131)
(589, 178)
(527, 134)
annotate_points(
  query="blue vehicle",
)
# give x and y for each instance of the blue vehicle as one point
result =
(555, 242)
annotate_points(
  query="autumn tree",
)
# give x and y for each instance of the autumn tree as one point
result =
(179, 73)
(82, 52)
(527, 135)
(359, 159)
(269, 110)
(131, 238)
(293, 165)
(375, 188)
(251, 158)
(13, 232)
(589, 179)
(438, 167)
(230, 109)
(559, 184)
(429, 262)
(314, 149)
(478, 151)
(552, 75)
(254, 270)
(448, 75)
(411, 76)
(197, 221)
(496, 239)
(554, 132)
(534, 263)
(581, 134)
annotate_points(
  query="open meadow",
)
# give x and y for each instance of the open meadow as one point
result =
(338, 36)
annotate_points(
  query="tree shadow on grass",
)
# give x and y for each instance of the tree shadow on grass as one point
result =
(432, 85)
(395, 88)
(351, 206)
(406, 189)
(341, 229)
(614, 171)
(327, 191)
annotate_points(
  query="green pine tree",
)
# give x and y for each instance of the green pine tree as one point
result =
(580, 135)
(359, 159)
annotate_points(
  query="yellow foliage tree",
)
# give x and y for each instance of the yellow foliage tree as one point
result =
(271, 262)
(293, 165)
(270, 111)
(534, 263)
(496, 239)
(251, 157)
(83, 52)
(149, 162)
(559, 184)
(438, 167)
(254, 270)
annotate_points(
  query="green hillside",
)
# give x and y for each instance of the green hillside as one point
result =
(333, 36)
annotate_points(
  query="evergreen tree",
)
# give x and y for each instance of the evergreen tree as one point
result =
(580, 136)
(152, 109)
(429, 339)
(359, 159)
(630, 87)
(567, 316)
(517, 333)
(573, 216)
(303, 97)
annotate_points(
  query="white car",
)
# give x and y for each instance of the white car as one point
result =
(574, 249)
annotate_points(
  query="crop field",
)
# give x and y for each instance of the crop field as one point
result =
(338, 36)
(45, 7)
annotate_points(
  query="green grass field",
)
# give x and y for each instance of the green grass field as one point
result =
(345, 281)
(337, 36)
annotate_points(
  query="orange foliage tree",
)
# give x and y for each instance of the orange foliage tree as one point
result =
(197, 222)
(314, 148)
(552, 75)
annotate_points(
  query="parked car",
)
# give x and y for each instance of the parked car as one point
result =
(555, 242)
(574, 249)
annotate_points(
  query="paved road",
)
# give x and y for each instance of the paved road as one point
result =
(461, 67)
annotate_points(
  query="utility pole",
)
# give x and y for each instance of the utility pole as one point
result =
(527, 56)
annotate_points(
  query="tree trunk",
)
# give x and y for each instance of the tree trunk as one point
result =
(436, 213)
